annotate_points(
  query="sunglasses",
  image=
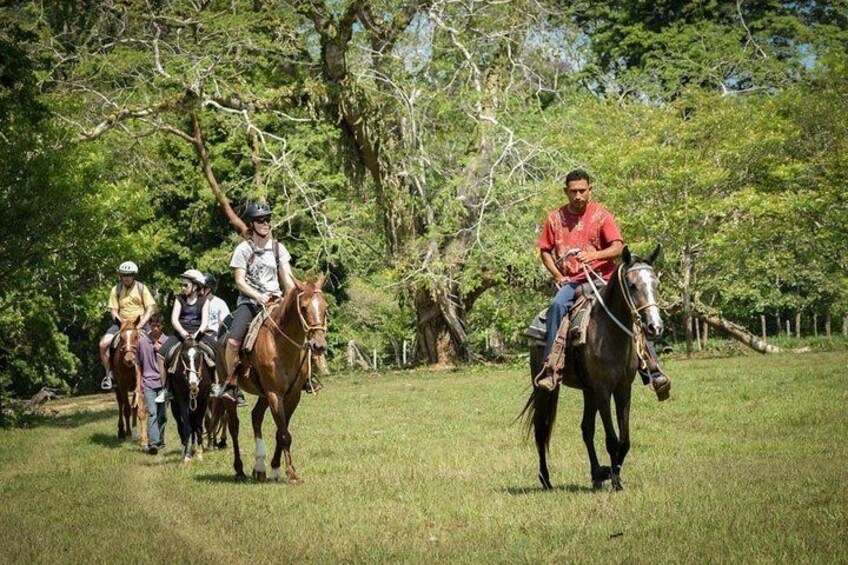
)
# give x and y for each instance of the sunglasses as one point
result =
(266, 220)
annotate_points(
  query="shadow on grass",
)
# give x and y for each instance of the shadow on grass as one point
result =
(106, 440)
(226, 478)
(73, 419)
(517, 491)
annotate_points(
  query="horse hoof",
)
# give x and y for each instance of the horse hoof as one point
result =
(259, 476)
(546, 482)
(186, 460)
(604, 474)
(616, 485)
(597, 485)
(241, 477)
(221, 445)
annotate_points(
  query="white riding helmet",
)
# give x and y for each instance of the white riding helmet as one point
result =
(128, 268)
(195, 276)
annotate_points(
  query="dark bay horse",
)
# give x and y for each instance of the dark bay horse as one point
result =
(604, 367)
(190, 385)
(279, 365)
(127, 375)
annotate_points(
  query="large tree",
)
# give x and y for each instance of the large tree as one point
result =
(421, 95)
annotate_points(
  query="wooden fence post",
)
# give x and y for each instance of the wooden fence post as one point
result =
(788, 330)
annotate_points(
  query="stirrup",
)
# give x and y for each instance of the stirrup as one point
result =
(547, 379)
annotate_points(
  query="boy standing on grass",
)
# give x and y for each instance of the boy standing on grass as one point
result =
(151, 384)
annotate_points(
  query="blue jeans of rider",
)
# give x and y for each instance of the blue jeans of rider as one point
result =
(156, 418)
(557, 311)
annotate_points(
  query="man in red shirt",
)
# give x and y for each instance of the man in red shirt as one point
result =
(581, 232)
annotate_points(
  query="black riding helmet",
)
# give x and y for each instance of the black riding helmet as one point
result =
(257, 210)
(211, 282)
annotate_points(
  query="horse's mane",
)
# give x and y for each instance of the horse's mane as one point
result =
(289, 302)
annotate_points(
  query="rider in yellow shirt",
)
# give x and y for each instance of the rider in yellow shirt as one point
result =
(129, 300)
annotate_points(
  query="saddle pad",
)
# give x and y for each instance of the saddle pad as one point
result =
(173, 361)
(255, 326)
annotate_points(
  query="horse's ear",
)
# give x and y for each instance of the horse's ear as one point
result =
(320, 282)
(298, 284)
(655, 254)
(625, 255)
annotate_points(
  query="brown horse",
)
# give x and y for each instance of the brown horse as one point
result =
(127, 375)
(279, 365)
(604, 367)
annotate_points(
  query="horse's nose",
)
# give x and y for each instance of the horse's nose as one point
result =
(318, 345)
(655, 329)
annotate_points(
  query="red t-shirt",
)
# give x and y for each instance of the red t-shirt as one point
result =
(593, 230)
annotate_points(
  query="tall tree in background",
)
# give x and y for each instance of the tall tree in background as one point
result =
(418, 91)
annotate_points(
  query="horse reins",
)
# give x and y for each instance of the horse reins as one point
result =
(638, 335)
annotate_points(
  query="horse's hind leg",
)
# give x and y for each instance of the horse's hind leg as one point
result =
(603, 403)
(587, 427)
(233, 423)
(257, 416)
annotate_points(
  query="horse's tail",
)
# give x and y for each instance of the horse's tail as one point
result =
(539, 413)
(216, 419)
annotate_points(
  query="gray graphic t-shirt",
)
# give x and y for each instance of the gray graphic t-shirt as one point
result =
(261, 274)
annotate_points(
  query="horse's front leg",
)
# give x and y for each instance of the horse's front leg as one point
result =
(122, 432)
(257, 416)
(587, 427)
(622, 412)
(185, 428)
(602, 400)
(283, 440)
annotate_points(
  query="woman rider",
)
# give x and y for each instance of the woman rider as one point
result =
(189, 317)
(259, 264)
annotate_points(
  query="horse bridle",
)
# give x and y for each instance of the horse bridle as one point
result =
(308, 330)
(636, 323)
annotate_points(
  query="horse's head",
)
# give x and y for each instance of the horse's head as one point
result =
(312, 309)
(641, 285)
(129, 341)
(191, 362)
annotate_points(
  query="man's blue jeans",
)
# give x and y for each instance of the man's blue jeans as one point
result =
(557, 311)
(156, 418)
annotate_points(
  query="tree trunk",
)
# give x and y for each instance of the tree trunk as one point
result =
(687, 297)
(763, 326)
(438, 342)
(827, 324)
(705, 334)
(815, 325)
(798, 324)
(739, 333)
(844, 326)
(779, 324)
(697, 323)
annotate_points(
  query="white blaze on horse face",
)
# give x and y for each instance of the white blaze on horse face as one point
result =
(646, 284)
(316, 306)
(193, 380)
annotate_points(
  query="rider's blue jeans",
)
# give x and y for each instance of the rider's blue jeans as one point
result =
(557, 311)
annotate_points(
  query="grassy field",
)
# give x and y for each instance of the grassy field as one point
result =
(746, 463)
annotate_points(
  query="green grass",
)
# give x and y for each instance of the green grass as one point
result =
(745, 463)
